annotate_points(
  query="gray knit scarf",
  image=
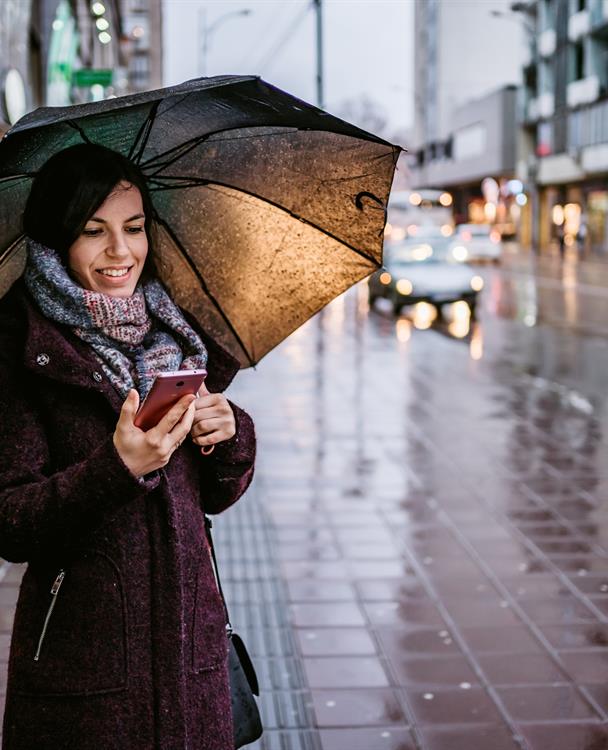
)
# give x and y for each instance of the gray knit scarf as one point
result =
(134, 337)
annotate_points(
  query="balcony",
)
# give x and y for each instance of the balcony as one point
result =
(583, 91)
(546, 43)
(599, 14)
(546, 105)
(531, 110)
(578, 25)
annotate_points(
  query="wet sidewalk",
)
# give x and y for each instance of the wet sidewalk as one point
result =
(422, 561)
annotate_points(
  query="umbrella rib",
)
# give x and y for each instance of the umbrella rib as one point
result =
(193, 182)
(76, 126)
(143, 134)
(203, 284)
(6, 254)
(10, 177)
(193, 142)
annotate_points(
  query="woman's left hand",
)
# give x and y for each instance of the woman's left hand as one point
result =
(213, 419)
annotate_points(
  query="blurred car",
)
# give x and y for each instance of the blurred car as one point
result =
(473, 242)
(423, 270)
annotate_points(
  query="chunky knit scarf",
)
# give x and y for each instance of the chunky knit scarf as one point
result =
(134, 337)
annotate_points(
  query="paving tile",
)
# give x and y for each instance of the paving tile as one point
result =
(307, 551)
(392, 589)
(599, 693)
(309, 591)
(514, 669)
(362, 738)
(597, 584)
(545, 703)
(583, 736)
(560, 609)
(470, 737)
(506, 639)
(336, 642)
(444, 670)
(357, 708)
(455, 706)
(345, 672)
(586, 666)
(403, 613)
(487, 609)
(326, 613)
(592, 635)
(398, 642)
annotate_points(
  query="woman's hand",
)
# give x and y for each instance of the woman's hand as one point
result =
(143, 452)
(213, 419)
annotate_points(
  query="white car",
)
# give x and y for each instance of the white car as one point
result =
(473, 242)
(423, 271)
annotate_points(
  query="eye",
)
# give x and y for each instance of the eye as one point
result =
(135, 230)
(91, 232)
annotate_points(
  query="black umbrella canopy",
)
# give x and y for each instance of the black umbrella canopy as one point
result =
(266, 207)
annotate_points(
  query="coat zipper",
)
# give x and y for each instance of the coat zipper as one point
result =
(54, 591)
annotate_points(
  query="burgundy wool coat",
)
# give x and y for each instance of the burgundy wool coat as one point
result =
(134, 650)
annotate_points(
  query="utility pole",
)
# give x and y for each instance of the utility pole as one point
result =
(319, 35)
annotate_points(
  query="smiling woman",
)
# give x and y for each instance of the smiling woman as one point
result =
(119, 637)
(110, 253)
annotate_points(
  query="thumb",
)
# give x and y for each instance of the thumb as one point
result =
(130, 406)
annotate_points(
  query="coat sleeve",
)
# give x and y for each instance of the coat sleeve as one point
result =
(43, 511)
(227, 472)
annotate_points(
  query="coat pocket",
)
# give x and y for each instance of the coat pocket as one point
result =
(209, 637)
(69, 636)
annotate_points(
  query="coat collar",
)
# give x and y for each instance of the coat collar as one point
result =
(54, 351)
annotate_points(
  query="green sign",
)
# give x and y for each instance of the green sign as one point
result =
(86, 77)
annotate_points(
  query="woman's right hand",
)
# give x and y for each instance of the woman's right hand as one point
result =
(143, 452)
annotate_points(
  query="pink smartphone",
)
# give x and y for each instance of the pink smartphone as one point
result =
(167, 389)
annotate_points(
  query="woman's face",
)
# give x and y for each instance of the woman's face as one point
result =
(110, 253)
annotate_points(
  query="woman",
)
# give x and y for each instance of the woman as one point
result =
(119, 635)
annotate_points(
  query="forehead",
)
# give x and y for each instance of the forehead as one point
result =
(124, 199)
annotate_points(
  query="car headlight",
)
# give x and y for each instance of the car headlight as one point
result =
(460, 253)
(385, 278)
(477, 283)
(404, 286)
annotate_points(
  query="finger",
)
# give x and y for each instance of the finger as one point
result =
(211, 412)
(183, 426)
(174, 415)
(210, 438)
(203, 390)
(208, 425)
(129, 407)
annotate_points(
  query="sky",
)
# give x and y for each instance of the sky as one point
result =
(368, 50)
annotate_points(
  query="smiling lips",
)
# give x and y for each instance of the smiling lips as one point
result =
(115, 273)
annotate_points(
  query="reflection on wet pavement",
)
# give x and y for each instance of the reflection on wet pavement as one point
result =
(436, 495)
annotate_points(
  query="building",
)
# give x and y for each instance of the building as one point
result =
(565, 121)
(58, 52)
(468, 59)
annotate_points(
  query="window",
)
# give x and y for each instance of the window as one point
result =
(576, 62)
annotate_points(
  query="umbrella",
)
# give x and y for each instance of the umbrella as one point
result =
(266, 207)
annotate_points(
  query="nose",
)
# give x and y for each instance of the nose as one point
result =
(118, 246)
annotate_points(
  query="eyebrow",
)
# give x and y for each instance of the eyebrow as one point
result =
(132, 218)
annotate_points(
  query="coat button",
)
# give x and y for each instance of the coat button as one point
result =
(43, 359)
(97, 377)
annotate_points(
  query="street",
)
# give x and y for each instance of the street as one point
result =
(422, 561)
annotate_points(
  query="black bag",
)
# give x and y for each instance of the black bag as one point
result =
(246, 722)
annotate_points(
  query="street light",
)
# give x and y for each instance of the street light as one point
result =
(207, 31)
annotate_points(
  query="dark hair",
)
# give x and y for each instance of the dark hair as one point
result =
(71, 186)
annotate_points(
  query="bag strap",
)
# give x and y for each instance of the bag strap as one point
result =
(208, 525)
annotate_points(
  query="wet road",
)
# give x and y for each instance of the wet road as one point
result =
(423, 560)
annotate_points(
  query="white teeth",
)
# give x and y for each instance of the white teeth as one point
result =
(113, 272)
